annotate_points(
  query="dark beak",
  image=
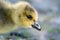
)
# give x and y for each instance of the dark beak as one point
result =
(36, 26)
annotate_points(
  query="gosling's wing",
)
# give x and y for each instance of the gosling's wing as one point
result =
(6, 23)
(5, 11)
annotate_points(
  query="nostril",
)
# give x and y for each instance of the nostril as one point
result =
(37, 25)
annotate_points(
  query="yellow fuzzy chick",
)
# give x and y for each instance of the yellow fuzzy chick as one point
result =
(13, 16)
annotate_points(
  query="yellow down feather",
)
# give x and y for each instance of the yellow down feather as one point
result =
(13, 16)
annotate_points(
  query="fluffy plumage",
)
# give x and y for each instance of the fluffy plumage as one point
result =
(12, 16)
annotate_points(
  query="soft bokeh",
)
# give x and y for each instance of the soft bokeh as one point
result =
(49, 19)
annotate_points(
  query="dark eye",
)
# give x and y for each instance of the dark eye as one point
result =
(29, 17)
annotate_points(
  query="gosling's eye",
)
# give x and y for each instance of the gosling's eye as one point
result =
(29, 17)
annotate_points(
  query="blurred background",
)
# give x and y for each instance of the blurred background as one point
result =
(49, 19)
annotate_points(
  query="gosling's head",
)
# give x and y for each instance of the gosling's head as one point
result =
(26, 16)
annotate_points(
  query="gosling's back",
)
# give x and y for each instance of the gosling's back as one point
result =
(6, 23)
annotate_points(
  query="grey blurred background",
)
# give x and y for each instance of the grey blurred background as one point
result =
(49, 19)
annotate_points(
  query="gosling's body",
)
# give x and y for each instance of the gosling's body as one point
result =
(6, 22)
(12, 16)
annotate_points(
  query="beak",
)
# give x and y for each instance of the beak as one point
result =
(36, 26)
